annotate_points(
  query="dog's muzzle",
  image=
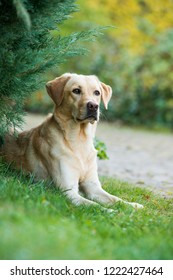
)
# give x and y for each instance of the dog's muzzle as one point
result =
(91, 114)
(92, 110)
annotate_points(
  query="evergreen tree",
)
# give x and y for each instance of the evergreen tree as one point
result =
(28, 49)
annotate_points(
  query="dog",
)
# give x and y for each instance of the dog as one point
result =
(62, 148)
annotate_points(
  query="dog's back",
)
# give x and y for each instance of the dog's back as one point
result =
(30, 150)
(13, 149)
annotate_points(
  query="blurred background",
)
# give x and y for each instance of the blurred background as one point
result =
(134, 56)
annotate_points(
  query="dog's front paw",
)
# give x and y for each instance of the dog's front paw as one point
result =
(136, 205)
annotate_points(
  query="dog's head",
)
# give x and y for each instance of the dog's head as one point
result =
(79, 96)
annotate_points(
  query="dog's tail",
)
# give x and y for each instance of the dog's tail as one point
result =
(5, 138)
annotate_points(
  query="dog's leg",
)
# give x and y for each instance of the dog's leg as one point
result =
(75, 197)
(67, 181)
(72, 194)
(70, 189)
(94, 191)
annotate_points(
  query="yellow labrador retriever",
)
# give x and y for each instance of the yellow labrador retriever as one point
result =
(61, 148)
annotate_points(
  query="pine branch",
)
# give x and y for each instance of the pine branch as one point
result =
(22, 13)
(27, 54)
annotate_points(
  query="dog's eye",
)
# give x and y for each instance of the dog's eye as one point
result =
(76, 91)
(96, 92)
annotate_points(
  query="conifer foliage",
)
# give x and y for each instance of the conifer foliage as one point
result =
(28, 49)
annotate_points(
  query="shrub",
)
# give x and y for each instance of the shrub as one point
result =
(28, 49)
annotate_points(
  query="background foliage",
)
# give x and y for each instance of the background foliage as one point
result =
(135, 58)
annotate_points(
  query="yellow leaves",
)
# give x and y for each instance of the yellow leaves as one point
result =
(129, 16)
(161, 14)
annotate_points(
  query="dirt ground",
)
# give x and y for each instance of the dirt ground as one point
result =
(141, 157)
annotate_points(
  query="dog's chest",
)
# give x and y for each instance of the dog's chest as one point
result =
(76, 155)
(79, 150)
(74, 151)
(82, 158)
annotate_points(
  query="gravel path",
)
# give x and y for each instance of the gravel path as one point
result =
(140, 157)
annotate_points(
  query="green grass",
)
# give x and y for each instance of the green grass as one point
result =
(38, 222)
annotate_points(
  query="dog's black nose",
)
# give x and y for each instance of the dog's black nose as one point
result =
(92, 107)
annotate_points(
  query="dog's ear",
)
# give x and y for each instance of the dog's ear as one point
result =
(106, 94)
(55, 88)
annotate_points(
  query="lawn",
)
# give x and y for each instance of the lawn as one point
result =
(38, 222)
